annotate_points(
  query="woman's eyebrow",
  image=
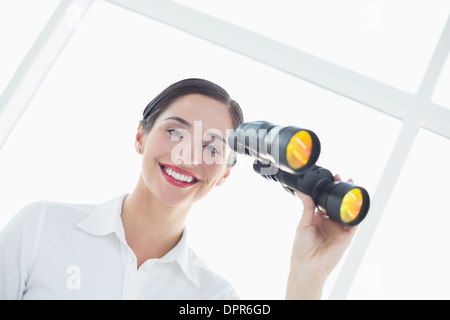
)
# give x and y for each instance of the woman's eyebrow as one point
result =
(217, 136)
(181, 120)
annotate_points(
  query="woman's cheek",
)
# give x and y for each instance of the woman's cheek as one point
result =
(215, 172)
(157, 147)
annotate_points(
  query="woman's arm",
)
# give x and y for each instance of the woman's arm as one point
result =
(17, 245)
(318, 247)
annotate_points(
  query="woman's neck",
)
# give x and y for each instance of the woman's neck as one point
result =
(152, 228)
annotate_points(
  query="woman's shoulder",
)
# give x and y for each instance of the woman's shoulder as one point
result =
(37, 211)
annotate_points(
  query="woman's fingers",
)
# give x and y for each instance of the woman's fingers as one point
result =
(308, 209)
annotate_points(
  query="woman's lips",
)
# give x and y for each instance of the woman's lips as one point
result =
(177, 176)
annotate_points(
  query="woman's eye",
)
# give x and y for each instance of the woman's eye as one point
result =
(212, 150)
(175, 133)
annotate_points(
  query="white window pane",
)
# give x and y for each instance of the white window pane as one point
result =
(390, 41)
(408, 255)
(75, 142)
(21, 21)
(441, 94)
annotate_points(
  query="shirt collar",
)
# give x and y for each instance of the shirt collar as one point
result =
(105, 219)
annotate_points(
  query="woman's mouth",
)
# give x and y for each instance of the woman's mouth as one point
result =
(178, 177)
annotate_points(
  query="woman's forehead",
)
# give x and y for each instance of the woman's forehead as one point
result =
(193, 108)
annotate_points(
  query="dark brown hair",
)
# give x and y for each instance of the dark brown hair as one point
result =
(184, 87)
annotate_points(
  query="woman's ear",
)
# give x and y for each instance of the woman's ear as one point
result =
(139, 139)
(224, 177)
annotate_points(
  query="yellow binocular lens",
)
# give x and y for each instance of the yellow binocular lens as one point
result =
(351, 205)
(298, 150)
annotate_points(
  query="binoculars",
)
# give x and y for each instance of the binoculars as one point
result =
(288, 155)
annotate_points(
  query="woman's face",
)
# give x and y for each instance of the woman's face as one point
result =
(185, 153)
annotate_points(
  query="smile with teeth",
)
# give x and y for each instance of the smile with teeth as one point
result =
(178, 176)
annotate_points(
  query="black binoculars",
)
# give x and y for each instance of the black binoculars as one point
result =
(288, 155)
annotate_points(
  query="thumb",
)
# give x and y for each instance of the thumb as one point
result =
(309, 208)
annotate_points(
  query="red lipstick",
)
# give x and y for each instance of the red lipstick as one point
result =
(177, 176)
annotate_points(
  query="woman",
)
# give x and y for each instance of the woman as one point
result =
(134, 246)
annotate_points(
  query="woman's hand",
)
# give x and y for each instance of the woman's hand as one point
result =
(318, 247)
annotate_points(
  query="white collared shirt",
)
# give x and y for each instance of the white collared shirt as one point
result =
(64, 251)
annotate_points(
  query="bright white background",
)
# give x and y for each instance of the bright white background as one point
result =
(75, 142)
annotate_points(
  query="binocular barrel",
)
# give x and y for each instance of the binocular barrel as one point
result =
(343, 202)
(292, 149)
(288, 155)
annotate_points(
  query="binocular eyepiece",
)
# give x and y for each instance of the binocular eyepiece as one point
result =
(288, 155)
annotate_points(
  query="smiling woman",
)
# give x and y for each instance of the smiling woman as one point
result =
(55, 250)
(148, 222)
(155, 140)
